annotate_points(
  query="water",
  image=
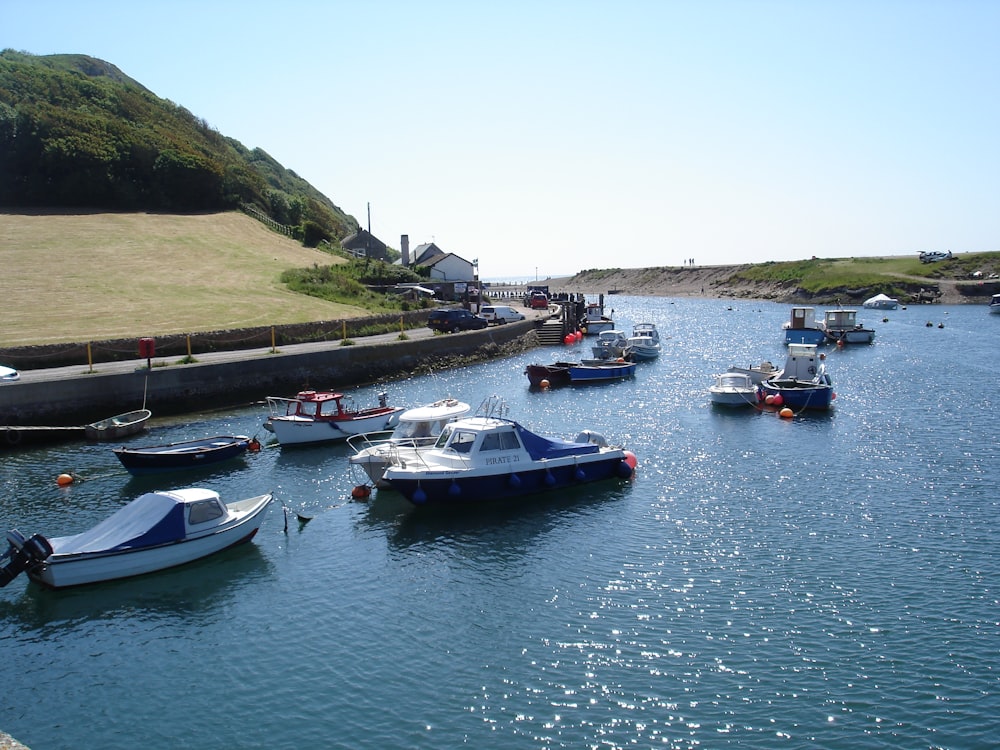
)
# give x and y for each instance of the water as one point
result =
(827, 581)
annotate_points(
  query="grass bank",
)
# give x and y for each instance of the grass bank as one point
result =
(92, 276)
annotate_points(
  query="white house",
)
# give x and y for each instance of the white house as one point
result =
(443, 266)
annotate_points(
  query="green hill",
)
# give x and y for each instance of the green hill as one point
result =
(76, 132)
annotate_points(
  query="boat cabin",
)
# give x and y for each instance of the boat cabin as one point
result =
(841, 320)
(428, 421)
(802, 363)
(802, 317)
(491, 442)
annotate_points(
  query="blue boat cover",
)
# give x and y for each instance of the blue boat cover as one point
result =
(150, 519)
(539, 447)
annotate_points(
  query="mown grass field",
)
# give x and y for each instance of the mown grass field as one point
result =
(93, 276)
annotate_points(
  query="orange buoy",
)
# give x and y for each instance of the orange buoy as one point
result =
(786, 413)
(64, 479)
(361, 492)
(254, 445)
(631, 460)
(544, 384)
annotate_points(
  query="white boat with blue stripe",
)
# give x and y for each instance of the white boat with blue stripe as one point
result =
(490, 457)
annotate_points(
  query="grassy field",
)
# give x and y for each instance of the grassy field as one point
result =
(93, 276)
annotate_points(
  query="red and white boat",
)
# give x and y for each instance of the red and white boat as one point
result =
(324, 416)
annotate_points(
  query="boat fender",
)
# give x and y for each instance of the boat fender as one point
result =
(549, 479)
(454, 490)
(419, 496)
(580, 474)
(514, 481)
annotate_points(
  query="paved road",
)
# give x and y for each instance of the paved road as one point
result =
(74, 371)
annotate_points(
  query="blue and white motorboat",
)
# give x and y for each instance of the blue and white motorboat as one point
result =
(157, 530)
(803, 382)
(644, 342)
(842, 327)
(802, 327)
(490, 457)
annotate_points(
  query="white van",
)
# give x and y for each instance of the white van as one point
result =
(499, 314)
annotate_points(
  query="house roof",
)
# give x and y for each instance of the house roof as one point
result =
(362, 240)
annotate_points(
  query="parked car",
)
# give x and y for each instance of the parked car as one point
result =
(8, 374)
(538, 301)
(499, 314)
(450, 321)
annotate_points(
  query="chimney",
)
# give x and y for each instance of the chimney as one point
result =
(404, 248)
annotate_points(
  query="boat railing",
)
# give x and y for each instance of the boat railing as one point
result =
(278, 406)
(365, 440)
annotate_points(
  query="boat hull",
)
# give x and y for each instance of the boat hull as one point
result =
(78, 569)
(472, 488)
(119, 426)
(555, 374)
(851, 336)
(731, 398)
(305, 431)
(182, 455)
(805, 336)
(799, 395)
(582, 373)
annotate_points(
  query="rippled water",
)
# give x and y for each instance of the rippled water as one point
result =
(827, 581)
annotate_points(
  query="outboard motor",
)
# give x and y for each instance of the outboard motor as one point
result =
(23, 554)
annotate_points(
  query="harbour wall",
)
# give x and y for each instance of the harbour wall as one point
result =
(249, 376)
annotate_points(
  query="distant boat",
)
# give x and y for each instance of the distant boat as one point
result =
(881, 302)
(757, 374)
(611, 344)
(733, 389)
(802, 328)
(644, 342)
(995, 303)
(119, 426)
(842, 327)
(186, 454)
(594, 320)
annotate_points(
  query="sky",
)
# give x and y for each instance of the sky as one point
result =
(546, 137)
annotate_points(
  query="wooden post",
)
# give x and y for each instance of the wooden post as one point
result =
(272, 339)
(90, 358)
(189, 345)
